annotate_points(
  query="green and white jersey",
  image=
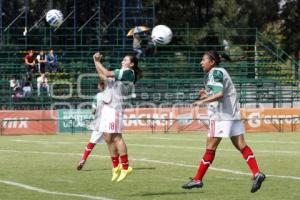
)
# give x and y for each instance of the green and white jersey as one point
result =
(227, 108)
(98, 105)
(119, 88)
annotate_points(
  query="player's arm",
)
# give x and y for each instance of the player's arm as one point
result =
(217, 89)
(102, 71)
(208, 99)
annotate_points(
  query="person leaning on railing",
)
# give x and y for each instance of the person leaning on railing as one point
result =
(52, 61)
(30, 64)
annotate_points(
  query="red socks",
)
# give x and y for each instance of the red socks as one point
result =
(115, 161)
(250, 159)
(89, 147)
(210, 155)
(204, 164)
(124, 161)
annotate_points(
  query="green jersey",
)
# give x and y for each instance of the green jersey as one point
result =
(226, 108)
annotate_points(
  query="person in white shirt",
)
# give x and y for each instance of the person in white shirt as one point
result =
(42, 61)
(42, 84)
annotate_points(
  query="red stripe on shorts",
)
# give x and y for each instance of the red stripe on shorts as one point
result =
(116, 121)
(212, 128)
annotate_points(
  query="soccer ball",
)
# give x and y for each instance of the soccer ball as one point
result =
(54, 18)
(161, 34)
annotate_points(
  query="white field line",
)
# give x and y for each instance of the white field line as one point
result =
(40, 190)
(159, 146)
(201, 139)
(153, 161)
(219, 149)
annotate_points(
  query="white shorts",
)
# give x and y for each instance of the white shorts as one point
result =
(97, 137)
(111, 120)
(225, 128)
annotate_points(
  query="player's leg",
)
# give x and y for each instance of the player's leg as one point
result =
(113, 150)
(239, 142)
(96, 137)
(122, 149)
(217, 130)
(207, 159)
(88, 149)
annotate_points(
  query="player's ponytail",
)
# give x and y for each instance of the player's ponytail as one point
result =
(138, 73)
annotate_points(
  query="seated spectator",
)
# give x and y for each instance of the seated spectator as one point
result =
(14, 83)
(42, 85)
(27, 89)
(52, 61)
(42, 61)
(30, 63)
(15, 87)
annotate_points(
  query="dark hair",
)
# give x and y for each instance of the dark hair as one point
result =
(138, 74)
(213, 55)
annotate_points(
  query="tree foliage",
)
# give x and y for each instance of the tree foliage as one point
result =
(291, 26)
(279, 18)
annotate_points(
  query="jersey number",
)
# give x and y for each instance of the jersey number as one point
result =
(112, 126)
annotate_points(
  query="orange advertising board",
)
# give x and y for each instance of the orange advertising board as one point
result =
(17, 122)
(196, 119)
(272, 119)
(22, 122)
(165, 119)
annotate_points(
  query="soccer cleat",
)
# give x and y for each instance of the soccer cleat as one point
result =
(257, 181)
(80, 164)
(193, 184)
(124, 173)
(116, 172)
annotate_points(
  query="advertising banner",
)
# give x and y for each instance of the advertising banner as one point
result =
(22, 122)
(71, 120)
(272, 119)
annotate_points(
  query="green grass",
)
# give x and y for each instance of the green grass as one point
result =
(161, 162)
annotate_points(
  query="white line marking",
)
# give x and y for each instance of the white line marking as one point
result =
(201, 139)
(219, 149)
(160, 146)
(153, 161)
(47, 142)
(216, 169)
(36, 189)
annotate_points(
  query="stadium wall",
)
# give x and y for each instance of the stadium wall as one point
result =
(20, 122)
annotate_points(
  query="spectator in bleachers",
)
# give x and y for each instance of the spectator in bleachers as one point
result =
(137, 45)
(14, 83)
(30, 63)
(27, 89)
(52, 61)
(15, 87)
(42, 61)
(42, 85)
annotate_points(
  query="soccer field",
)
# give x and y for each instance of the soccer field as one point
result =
(43, 167)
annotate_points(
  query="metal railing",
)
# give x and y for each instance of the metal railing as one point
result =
(8, 126)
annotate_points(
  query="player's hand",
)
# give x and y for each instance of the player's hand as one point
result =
(203, 94)
(97, 57)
